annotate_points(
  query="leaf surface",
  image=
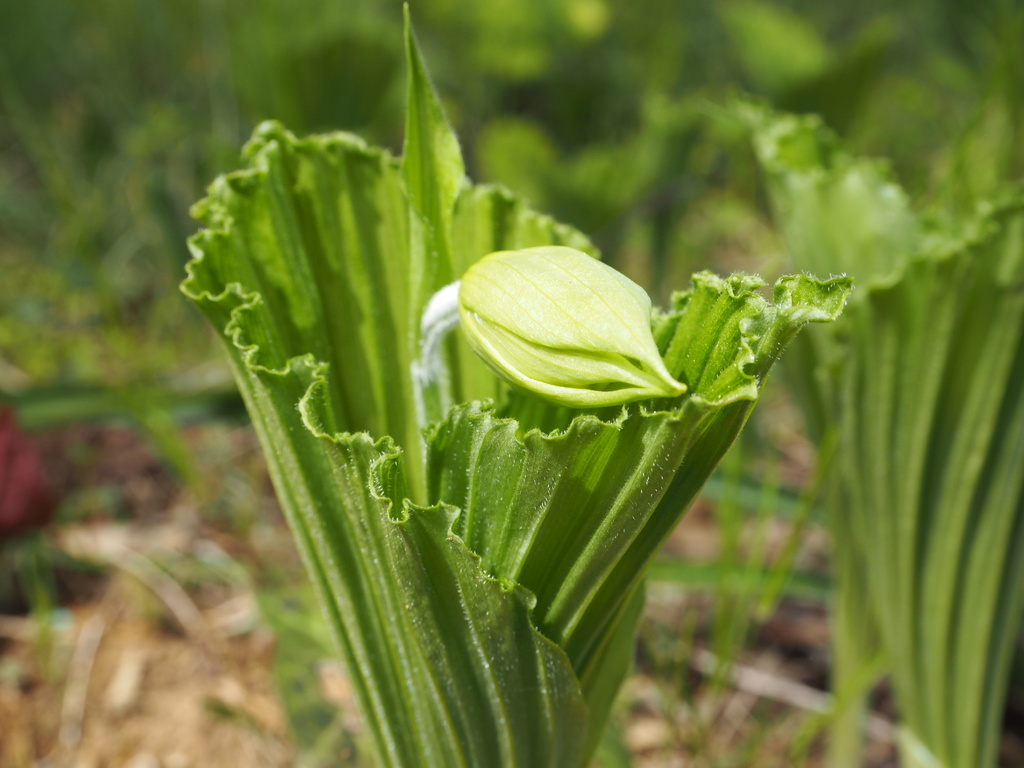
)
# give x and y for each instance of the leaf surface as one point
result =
(925, 381)
(576, 515)
(483, 588)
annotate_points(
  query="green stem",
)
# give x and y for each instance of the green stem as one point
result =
(846, 737)
(846, 734)
(856, 665)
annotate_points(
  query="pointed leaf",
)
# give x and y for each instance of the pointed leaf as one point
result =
(432, 165)
(432, 174)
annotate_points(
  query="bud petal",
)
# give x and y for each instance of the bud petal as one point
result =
(564, 326)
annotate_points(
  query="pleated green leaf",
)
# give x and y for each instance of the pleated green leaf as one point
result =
(490, 690)
(940, 385)
(575, 516)
(839, 213)
(483, 582)
(926, 383)
(481, 686)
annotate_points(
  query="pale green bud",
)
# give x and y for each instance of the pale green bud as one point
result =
(564, 326)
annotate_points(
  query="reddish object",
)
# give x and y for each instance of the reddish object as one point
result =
(25, 501)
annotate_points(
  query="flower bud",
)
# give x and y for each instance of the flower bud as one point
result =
(564, 326)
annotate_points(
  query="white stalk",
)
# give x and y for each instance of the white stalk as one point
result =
(431, 380)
